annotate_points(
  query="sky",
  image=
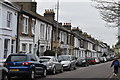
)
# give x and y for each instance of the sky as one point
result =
(82, 14)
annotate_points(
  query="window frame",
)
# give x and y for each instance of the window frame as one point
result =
(9, 19)
(25, 24)
(33, 26)
(25, 47)
(6, 47)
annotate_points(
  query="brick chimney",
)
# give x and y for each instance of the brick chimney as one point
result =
(49, 14)
(77, 30)
(28, 5)
(67, 26)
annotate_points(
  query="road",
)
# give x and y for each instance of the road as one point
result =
(102, 70)
(94, 71)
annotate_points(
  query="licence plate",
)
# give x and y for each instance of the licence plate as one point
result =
(14, 69)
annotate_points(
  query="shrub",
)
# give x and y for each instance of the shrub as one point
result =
(49, 53)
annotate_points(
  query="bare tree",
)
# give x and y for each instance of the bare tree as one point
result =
(110, 11)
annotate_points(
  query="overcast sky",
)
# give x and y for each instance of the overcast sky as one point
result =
(82, 14)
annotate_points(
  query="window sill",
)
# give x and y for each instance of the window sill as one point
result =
(25, 34)
(9, 29)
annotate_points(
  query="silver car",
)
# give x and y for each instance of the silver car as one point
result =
(52, 64)
(68, 61)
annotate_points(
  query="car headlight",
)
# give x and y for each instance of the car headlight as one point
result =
(66, 64)
(50, 66)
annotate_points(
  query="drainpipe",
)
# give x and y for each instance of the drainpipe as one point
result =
(17, 39)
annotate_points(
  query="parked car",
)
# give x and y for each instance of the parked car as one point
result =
(82, 61)
(26, 65)
(105, 59)
(52, 64)
(108, 58)
(97, 60)
(3, 72)
(68, 61)
(101, 59)
(2, 61)
(91, 60)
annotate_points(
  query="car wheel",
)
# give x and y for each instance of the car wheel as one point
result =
(75, 68)
(61, 71)
(32, 75)
(54, 71)
(44, 73)
(70, 68)
(85, 65)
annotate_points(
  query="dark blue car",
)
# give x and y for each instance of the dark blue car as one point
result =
(26, 65)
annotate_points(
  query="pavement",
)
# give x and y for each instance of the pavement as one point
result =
(113, 77)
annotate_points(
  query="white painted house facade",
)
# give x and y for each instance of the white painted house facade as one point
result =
(43, 34)
(26, 43)
(8, 28)
(76, 46)
(63, 42)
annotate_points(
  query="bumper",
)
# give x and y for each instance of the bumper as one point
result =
(18, 73)
(80, 64)
(66, 66)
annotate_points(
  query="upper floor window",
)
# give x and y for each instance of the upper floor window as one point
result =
(42, 26)
(48, 33)
(9, 18)
(81, 43)
(25, 25)
(33, 26)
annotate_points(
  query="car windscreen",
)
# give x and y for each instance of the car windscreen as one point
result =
(17, 58)
(80, 59)
(43, 59)
(64, 58)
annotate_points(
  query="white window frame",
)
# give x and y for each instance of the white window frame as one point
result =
(25, 24)
(33, 26)
(9, 19)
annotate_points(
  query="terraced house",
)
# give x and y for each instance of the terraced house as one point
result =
(34, 31)
(23, 30)
(26, 27)
(64, 40)
(8, 29)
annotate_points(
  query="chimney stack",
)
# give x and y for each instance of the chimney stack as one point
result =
(67, 26)
(77, 30)
(49, 14)
(26, 4)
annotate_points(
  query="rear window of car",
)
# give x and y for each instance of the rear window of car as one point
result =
(80, 58)
(17, 58)
(64, 58)
(43, 59)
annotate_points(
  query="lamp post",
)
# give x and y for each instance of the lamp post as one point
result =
(57, 29)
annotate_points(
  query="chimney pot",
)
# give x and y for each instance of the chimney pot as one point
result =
(49, 14)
